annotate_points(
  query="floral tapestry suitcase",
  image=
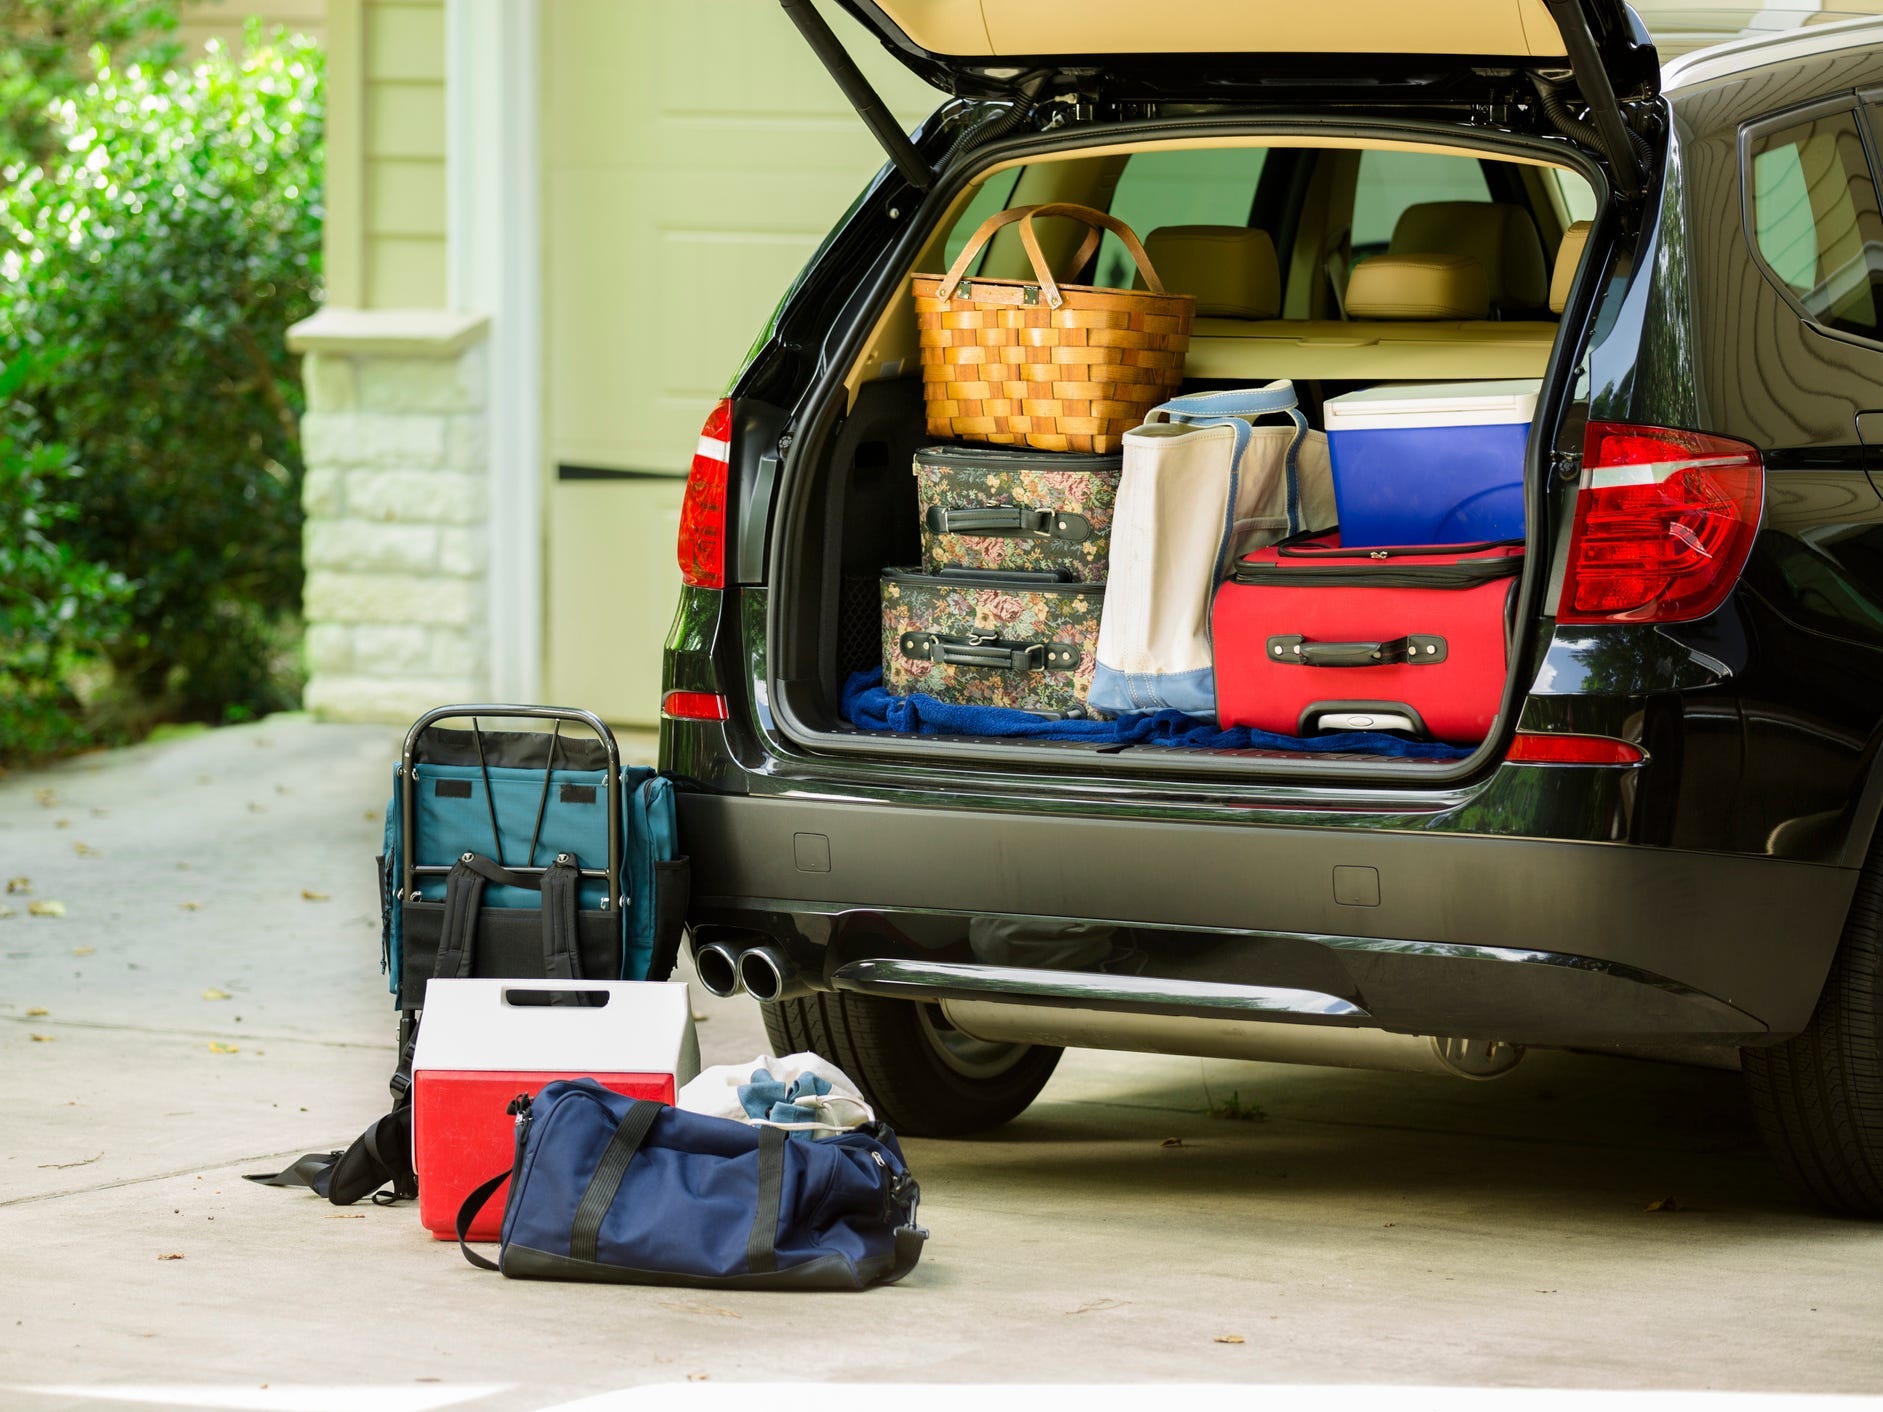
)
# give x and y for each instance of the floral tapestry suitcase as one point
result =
(979, 637)
(989, 508)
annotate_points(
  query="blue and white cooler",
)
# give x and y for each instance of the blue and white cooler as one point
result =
(1431, 463)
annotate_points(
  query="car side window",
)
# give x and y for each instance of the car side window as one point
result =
(1210, 186)
(1816, 223)
(1389, 181)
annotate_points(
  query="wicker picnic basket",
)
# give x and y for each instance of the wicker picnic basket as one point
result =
(1057, 367)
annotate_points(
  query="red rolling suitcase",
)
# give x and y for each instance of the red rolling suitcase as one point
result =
(1312, 637)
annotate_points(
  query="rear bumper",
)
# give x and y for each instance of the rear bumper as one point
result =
(1530, 941)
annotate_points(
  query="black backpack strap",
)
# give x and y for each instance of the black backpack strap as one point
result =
(464, 896)
(380, 1156)
(562, 957)
(457, 938)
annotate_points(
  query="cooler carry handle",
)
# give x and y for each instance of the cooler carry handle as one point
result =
(1002, 521)
(1414, 649)
(999, 653)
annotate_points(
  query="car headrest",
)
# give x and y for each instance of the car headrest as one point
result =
(1500, 236)
(1568, 257)
(1418, 287)
(1230, 269)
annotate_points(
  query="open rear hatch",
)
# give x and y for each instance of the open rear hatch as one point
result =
(1582, 69)
(1344, 52)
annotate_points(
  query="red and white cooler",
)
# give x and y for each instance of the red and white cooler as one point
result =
(482, 1042)
(1311, 636)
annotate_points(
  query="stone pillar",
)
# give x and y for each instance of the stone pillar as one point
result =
(396, 542)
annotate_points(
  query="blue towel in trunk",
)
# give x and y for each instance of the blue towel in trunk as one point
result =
(869, 706)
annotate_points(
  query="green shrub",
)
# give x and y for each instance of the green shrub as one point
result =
(56, 607)
(45, 55)
(166, 250)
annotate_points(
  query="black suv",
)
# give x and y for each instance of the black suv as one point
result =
(1667, 844)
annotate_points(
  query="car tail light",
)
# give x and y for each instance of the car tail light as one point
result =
(703, 511)
(694, 706)
(1664, 522)
(1548, 748)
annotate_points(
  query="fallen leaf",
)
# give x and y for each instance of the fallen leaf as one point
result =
(83, 950)
(216, 1046)
(255, 808)
(7, 912)
(371, 816)
(83, 849)
(62, 823)
(213, 994)
(46, 907)
(685, 1306)
(41, 1038)
(308, 894)
(1173, 1142)
(38, 1010)
(173, 1255)
(61, 1166)
(344, 1215)
(19, 884)
(1097, 1305)
(1230, 1338)
(1666, 1203)
(699, 1017)
(101, 813)
(190, 906)
(699, 1377)
(46, 797)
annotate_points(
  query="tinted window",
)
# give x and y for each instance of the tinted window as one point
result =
(1391, 181)
(1815, 219)
(1210, 186)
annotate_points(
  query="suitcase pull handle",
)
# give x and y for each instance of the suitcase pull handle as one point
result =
(998, 653)
(1009, 521)
(1414, 649)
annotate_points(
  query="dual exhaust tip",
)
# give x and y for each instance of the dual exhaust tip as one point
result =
(763, 972)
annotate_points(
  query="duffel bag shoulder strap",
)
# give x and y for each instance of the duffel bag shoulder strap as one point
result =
(585, 1227)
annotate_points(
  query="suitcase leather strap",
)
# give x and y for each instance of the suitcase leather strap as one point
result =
(998, 653)
(464, 895)
(1008, 522)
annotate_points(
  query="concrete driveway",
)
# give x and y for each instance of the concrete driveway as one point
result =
(210, 1004)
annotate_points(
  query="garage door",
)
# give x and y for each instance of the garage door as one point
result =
(694, 154)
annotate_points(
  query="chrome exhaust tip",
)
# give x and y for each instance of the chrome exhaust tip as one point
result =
(717, 966)
(768, 974)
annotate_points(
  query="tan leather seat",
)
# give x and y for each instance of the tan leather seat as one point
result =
(1498, 235)
(1230, 269)
(1568, 261)
(1418, 287)
(1420, 316)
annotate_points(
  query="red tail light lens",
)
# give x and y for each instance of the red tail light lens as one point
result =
(1664, 522)
(1540, 748)
(703, 511)
(694, 706)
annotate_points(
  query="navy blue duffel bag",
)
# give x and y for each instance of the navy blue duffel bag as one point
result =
(629, 1191)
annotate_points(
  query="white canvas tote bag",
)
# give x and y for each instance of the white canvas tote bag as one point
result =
(1201, 487)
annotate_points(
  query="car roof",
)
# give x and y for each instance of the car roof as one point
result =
(1715, 42)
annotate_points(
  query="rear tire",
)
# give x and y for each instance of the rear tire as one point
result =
(1819, 1097)
(922, 1077)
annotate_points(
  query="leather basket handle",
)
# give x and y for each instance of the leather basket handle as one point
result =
(1097, 220)
(958, 271)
